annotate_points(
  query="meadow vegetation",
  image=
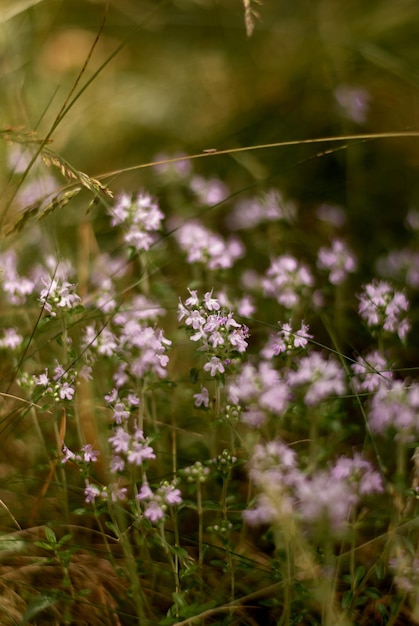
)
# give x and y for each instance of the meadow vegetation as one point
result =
(209, 274)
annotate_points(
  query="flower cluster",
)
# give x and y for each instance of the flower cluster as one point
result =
(141, 218)
(60, 386)
(323, 498)
(402, 265)
(58, 295)
(288, 281)
(86, 455)
(131, 449)
(395, 409)
(287, 341)
(384, 308)
(157, 502)
(267, 208)
(259, 391)
(15, 287)
(204, 246)
(318, 377)
(215, 328)
(141, 350)
(11, 339)
(338, 260)
(371, 372)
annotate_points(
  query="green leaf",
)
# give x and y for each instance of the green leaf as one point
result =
(38, 604)
(373, 592)
(50, 535)
(44, 545)
(347, 598)
(359, 575)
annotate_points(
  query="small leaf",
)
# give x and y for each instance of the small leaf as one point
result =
(359, 575)
(347, 598)
(372, 592)
(50, 535)
(38, 604)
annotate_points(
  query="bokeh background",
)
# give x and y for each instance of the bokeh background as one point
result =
(188, 78)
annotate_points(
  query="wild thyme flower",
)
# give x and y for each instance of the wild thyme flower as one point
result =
(288, 281)
(353, 102)
(134, 448)
(202, 398)
(102, 340)
(157, 502)
(269, 207)
(405, 568)
(215, 328)
(319, 378)
(141, 218)
(15, 287)
(338, 260)
(11, 339)
(58, 295)
(371, 372)
(210, 191)
(360, 473)
(60, 386)
(401, 265)
(384, 308)
(323, 499)
(204, 246)
(86, 455)
(141, 351)
(113, 492)
(121, 407)
(287, 341)
(259, 391)
(395, 409)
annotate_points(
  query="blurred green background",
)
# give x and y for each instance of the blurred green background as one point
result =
(188, 78)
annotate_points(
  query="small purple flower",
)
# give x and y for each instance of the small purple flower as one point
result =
(382, 307)
(353, 102)
(120, 440)
(154, 512)
(214, 366)
(91, 492)
(338, 260)
(202, 398)
(140, 453)
(371, 372)
(88, 454)
(288, 281)
(320, 378)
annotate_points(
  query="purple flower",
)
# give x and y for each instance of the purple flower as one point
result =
(170, 494)
(140, 453)
(214, 366)
(89, 455)
(120, 440)
(141, 218)
(382, 307)
(371, 372)
(286, 341)
(338, 260)
(66, 391)
(91, 492)
(353, 102)
(202, 399)
(287, 281)
(58, 295)
(204, 246)
(320, 378)
(396, 408)
(154, 512)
